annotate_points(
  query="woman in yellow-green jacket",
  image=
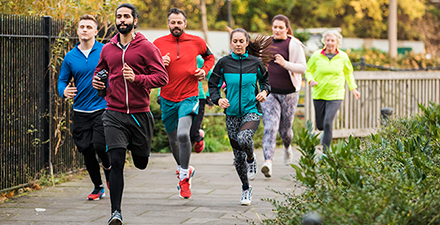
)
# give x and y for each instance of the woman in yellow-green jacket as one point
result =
(327, 71)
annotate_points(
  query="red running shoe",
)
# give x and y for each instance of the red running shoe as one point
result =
(185, 185)
(185, 188)
(96, 194)
(199, 146)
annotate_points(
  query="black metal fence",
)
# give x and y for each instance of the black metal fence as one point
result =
(32, 120)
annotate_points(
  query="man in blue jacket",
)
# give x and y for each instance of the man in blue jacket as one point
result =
(87, 128)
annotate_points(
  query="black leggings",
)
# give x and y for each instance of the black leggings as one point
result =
(117, 174)
(241, 130)
(92, 163)
(325, 112)
(197, 125)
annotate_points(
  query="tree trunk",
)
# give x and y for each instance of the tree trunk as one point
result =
(204, 20)
(392, 28)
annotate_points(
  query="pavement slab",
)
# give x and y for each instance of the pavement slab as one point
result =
(151, 195)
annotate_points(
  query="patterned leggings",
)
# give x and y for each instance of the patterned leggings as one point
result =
(278, 114)
(241, 130)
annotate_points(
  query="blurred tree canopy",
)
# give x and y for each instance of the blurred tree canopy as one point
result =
(357, 18)
(417, 19)
(69, 10)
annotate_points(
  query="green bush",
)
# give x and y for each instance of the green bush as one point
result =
(391, 177)
(409, 60)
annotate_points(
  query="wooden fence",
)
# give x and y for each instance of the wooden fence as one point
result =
(402, 91)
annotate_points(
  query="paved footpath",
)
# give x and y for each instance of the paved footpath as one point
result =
(151, 197)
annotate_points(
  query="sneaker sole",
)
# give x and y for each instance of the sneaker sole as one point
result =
(115, 222)
(91, 199)
(265, 171)
(246, 203)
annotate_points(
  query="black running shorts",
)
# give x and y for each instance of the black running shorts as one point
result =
(131, 131)
(87, 129)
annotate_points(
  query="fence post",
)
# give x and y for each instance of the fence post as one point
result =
(45, 101)
(363, 63)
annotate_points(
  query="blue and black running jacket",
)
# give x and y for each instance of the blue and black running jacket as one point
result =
(240, 73)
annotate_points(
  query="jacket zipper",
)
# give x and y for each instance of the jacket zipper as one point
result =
(239, 90)
(125, 81)
(178, 54)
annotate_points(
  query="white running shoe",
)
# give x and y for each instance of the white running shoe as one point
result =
(288, 155)
(246, 196)
(266, 169)
(252, 168)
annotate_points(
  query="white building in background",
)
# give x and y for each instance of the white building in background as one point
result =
(219, 41)
(314, 43)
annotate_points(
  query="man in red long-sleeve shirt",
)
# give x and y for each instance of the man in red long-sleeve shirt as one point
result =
(179, 99)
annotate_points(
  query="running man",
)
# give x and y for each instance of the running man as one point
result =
(134, 66)
(87, 129)
(179, 99)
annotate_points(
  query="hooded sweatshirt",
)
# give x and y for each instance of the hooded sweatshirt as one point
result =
(183, 54)
(146, 62)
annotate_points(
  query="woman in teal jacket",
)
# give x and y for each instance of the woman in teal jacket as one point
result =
(240, 71)
(327, 71)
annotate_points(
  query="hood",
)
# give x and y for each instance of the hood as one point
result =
(138, 37)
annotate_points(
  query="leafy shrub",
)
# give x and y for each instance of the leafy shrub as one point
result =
(376, 57)
(391, 177)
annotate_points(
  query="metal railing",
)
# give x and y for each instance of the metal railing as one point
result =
(27, 106)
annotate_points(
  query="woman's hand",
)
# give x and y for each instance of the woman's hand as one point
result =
(313, 83)
(261, 97)
(223, 103)
(356, 94)
(280, 60)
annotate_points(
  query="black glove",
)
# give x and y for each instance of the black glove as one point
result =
(209, 101)
(158, 100)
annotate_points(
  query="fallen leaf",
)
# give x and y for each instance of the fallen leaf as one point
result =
(10, 194)
(36, 187)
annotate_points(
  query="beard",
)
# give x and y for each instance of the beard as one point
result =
(126, 30)
(176, 34)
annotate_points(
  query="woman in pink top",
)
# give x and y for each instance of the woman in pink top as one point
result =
(285, 80)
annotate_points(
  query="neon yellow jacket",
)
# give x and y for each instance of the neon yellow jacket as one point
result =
(330, 75)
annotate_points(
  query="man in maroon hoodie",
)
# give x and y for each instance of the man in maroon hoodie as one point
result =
(134, 66)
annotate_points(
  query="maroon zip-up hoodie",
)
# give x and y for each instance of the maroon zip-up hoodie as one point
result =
(146, 61)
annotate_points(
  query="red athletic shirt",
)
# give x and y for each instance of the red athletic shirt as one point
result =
(183, 54)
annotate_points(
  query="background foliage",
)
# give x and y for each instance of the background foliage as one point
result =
(417, 20)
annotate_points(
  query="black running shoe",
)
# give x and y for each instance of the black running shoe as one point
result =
(116, 218)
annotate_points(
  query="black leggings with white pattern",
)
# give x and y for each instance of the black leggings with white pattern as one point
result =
(241, 130)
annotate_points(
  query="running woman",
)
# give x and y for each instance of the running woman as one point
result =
(240, 71)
